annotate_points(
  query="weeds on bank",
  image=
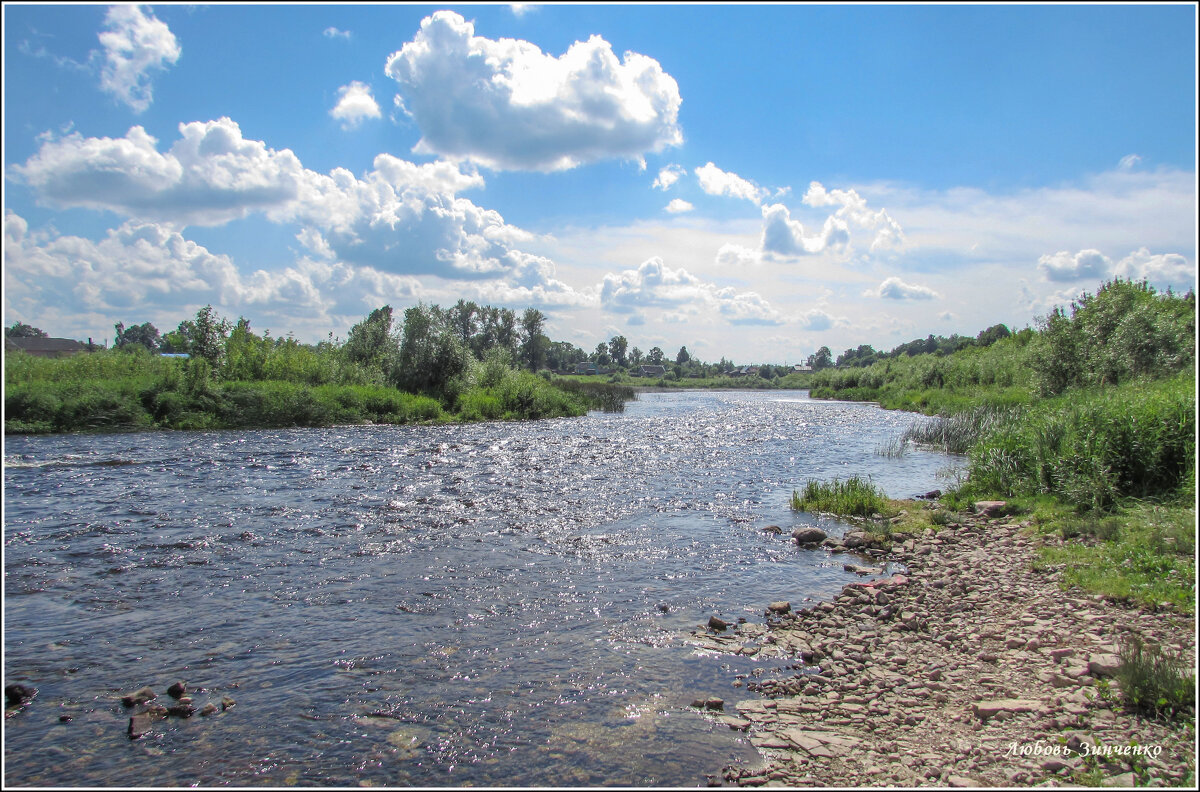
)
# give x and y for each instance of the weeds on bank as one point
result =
(1153, 680)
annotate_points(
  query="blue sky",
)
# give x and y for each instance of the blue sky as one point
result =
(751, 181)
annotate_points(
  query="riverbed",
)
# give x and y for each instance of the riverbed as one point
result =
(501, 604)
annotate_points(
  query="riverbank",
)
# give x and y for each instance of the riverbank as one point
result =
(971, 669)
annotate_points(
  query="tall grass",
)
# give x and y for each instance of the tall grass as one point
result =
(851, 497)
(609, 397)
(955, 433)
(1153, 680)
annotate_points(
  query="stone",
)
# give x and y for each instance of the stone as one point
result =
(714, 703)
(991, 508)
(717, 623)
(1105, 665)
(209, 709)
(227, 702)
(962, 782)
(177, 690)
(182, 710)
(855, 539)
(139, 697)
(773, 529)
(1122, 781)
(990, 709)
(808, 535)
(780, 607)
(18, 695)
(139, 724)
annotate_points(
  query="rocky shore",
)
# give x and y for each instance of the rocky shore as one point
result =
(968, 670)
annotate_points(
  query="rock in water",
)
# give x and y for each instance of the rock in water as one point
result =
(177, 690)
(18, 695)
(718, 624)
(807, 535)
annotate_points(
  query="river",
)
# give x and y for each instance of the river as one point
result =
(499, 604)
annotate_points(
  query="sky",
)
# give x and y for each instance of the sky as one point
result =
(752, 182)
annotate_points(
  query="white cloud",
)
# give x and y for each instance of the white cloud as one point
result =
(1162, 271)
(210, 175)
(784, 236)
(668, 176)
(853, 210)
(896, 289)
(521, 9)
(1129, 162)
(134, 45)
(507, 105)
(678, 205)
(731, 256)
(715, 181)
(1064, 266)
(355, 103)
(679, 294)
(333, 33)
(818, 320)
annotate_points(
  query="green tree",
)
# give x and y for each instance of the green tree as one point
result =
(655, 356)
(617, 348)
(22, 330)
(682, 356)
(635, 357)
(143, 335)
(601, 355)
(205, 335)
(433, 359)
(534, 343)
(371, 344)
(822, 358)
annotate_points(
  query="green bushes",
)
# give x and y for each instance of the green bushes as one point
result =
(1091, 448)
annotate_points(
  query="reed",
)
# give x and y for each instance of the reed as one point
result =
(850, 497)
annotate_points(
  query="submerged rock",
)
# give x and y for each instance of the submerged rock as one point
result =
(139, 697)
(18, 695)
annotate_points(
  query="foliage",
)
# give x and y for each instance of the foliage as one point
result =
(1155, 680)
(144, 335)
(22, 330)
(852, 497)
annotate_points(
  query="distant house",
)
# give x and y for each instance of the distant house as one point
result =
(585, 368)
(49, 347)
(651, 371)
(801, 368)
(744, 371)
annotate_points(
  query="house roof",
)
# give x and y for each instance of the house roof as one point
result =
(44, 344)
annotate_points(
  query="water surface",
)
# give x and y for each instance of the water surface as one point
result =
(493, 604)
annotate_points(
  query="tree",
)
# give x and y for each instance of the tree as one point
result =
(820, 359)
(370, 343)
(534, 343)
(205, 335)
(433, 359)
(655, 357)
(635, 357)
(617, 347)
(464, 318)
(682, 356)
(601, 356)
(143, 335)
(22, 330)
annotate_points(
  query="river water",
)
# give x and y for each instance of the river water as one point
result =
(499, 604)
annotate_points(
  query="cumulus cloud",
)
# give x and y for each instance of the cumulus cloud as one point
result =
(334, 33)
(1162, 271)
(134, 45)
(715, 181)
(507, 105)
(679, 293)
(853, 210)
(209, 176)
(784, 236)
(1065, 266)
(400, 218)
(896, 289)
(668, 176)
(678, 206)
(732, 256)
(818, 320)
(355, 103)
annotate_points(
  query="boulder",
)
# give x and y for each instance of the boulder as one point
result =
(139, 724)
(177, 690)
(855, 539)
(1103, 665)
(991, 508)
(808, 535)
(779, 607)
(990, 709)
(139, 697)
(18, 695)
(717, 623)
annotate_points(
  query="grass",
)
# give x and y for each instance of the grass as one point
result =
(1155, 681)
(852, 497)
(1144, 553)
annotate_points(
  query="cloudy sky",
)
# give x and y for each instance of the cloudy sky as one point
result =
(752, 182)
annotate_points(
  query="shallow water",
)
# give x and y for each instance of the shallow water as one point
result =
(457, 605)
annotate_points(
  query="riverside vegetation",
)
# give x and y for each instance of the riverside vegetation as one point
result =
(466, 363)
(1085, 427)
